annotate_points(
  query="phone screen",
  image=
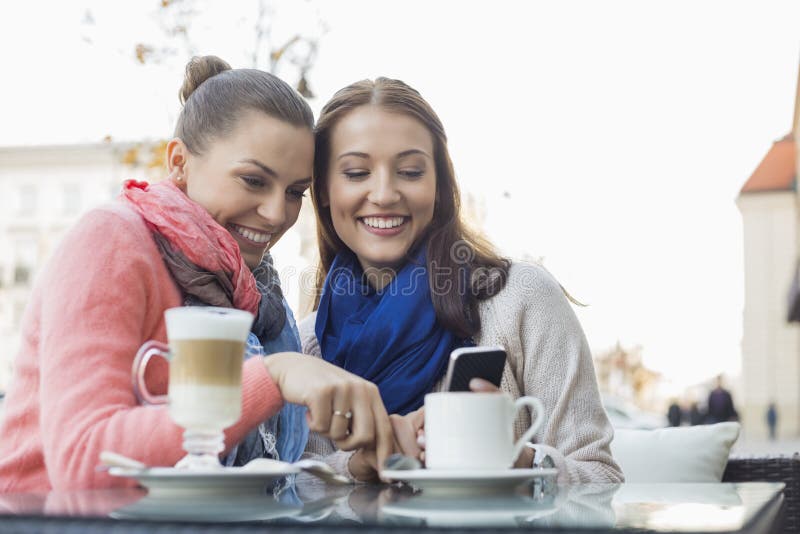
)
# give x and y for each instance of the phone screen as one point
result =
(475, 362)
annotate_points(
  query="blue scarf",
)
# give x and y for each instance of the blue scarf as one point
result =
(284, 435)
(390, 337)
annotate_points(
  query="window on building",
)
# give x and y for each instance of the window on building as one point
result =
(70, 199)
(25, 256)
(28, 199)
(22, 275)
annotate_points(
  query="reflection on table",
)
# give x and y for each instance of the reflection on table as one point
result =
(654, 507)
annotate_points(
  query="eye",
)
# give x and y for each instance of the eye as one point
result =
(356, 174)
(252, 181)
(411, 173)
(296, 194)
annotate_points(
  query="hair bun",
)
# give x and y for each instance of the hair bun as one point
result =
(198, 70)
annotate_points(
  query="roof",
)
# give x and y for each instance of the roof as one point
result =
(777, 171)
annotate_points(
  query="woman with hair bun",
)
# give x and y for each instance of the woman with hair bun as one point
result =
(238, 168)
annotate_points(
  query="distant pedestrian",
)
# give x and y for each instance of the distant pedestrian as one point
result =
(772, 420)
(720, 405)
(696, 416)
(674, 414)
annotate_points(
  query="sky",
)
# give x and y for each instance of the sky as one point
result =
(609, 138)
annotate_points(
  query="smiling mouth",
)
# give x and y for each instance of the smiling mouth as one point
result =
(253, 237)
(384, 223)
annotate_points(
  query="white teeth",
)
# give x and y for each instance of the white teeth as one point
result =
(258, 237)
(383, 222)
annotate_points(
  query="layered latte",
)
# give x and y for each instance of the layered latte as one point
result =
(205, 377)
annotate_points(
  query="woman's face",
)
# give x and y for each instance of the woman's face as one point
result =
(252, 181)
(381, 184)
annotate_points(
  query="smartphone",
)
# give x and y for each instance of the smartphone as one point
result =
(474, 362)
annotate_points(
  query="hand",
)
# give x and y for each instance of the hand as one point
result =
(407, 429)
(525, 458)
(364, 465)
(330, 392)
(479, 385)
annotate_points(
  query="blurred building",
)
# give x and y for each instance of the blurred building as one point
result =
(43, 191)
(770, 210)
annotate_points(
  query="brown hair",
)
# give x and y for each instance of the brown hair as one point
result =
(214, 96)
(455, 255)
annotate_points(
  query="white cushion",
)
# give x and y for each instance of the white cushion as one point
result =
(679, 454)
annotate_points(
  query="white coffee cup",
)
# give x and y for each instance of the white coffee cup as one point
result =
(475, 431)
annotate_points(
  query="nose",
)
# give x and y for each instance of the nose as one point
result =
(272, 209)
(383, 190)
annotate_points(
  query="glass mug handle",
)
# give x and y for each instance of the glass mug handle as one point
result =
(538, 411)
(148, 350)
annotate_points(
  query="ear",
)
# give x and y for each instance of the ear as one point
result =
(177, 156)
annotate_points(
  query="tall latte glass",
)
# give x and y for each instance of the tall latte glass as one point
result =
(205, 354)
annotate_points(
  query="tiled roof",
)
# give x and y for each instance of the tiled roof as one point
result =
(776, 172)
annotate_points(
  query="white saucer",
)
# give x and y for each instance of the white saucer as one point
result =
(168, 481)
(205, 508)
(467, 481)
(466, 511)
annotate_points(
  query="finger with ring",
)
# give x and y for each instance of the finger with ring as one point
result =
(340, 424)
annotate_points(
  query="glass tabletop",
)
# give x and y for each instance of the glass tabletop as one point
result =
(308, 502)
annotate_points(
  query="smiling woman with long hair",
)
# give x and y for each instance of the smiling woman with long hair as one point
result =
(403, 282)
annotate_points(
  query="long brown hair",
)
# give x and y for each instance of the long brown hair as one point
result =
(463, 268)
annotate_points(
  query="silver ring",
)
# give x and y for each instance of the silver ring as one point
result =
(347, 415)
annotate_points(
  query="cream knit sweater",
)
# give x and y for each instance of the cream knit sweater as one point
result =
(548, 358)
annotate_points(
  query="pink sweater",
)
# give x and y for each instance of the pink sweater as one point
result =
(102, 295)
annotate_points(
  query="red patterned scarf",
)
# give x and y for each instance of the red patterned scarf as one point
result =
(202, 255)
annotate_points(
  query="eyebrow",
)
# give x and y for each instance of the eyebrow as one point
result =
(400, 155)
(260, 165)
(356, 154)
(413, 151)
